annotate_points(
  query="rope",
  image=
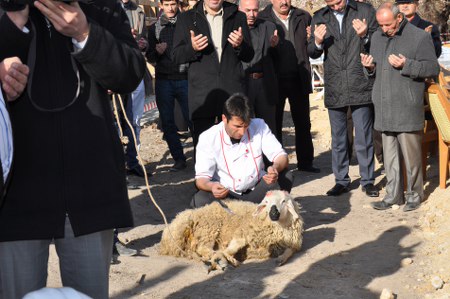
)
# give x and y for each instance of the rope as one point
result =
(147, 185)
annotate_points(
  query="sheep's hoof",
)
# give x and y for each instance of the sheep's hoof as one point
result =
(280, 262)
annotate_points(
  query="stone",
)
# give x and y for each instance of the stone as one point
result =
(406, 262)
(437, 282)
(387, 294)
(395, 207)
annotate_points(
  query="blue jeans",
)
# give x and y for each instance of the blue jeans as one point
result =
(166, 92)
(134, 110)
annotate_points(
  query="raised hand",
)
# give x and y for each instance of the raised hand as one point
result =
(308, 32)
(161, 48)
(199, 42)
(274, 39)
(397, 61)
(14, 77)
(235, 38)
(360, 27)
(67, 18)
(271, 176)
(367, 61)
(319, 33)
(429, 29)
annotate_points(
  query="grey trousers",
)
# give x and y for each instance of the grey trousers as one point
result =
(409, 146)
(362, 116)
(84, 264)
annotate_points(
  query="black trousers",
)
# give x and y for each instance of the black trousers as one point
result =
(299, 102)
(258, 97)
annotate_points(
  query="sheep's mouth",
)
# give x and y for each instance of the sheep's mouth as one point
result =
(274, 214)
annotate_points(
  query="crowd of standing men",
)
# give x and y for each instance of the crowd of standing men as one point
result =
(71, 161)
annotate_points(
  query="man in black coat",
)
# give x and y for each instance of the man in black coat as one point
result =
(260, 77)
(409, 9)
(68, 183)
(294, 75)
(214, 39)
(341, 30)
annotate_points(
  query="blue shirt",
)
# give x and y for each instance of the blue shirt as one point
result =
(6, 145)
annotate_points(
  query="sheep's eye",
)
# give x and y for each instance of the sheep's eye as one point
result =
(283, 201)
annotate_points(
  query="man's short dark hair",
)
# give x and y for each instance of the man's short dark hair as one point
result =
(177, 1)
(238, 105)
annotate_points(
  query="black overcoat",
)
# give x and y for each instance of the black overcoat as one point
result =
(211, 82)
(69, 162)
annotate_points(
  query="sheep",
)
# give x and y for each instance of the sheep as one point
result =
(218, 236)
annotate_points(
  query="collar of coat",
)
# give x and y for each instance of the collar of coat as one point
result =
(229, 9)
(351, 4)
(403, 23)
(164, 20)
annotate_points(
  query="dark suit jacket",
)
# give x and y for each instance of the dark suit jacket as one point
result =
(265, 30)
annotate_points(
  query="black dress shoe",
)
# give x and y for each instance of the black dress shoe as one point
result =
(309, 168)
(137, 171)
(337, 190)
(370, 190)
(410, 206)
(381, 205)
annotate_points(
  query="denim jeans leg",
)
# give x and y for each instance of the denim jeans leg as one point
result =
(134, 110)
(165, 91)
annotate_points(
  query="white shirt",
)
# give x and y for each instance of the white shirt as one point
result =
(238, 166)
(6, 144)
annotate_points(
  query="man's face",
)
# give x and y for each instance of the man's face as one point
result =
(250, 8)
(235, 127)
(388, 23)
(408, 9)
(125, 1)
(169, 7)
(282, 7)
(337, 5)
(214, 5)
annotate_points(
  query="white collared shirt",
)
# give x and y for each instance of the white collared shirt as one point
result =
(215, 23)
(238, 166)
(6, 144)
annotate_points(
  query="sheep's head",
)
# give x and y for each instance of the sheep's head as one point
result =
(279, 206)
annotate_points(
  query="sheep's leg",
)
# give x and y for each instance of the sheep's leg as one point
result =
(232, 248)
(281, 260)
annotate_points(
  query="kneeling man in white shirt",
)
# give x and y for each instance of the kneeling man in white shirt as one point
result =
(229, 157)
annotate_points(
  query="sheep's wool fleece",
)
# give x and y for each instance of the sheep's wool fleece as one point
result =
(213, 227)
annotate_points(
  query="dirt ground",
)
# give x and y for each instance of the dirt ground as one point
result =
(349, 251)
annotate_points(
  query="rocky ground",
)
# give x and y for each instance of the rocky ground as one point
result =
(349, 251)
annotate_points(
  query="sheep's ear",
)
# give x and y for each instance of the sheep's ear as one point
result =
(291, 209)
(259, 209)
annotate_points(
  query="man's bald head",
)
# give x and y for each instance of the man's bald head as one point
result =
(251, 9)
(389, 18)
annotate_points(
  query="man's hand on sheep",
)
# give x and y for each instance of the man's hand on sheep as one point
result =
(271, 177)
(219, 191)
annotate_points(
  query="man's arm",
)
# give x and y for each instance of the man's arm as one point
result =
(151, 53)
(316, 40)
(111, 56)
(205, 168)
(424, 65)
(183, 51)
(436, 36)
(245, 51)
(217, 190)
